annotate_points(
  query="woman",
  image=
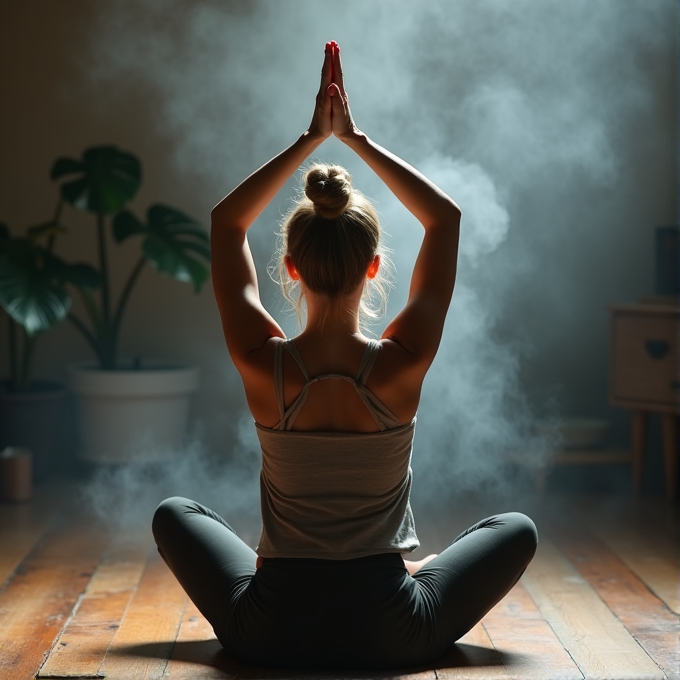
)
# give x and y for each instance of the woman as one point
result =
(335, 414)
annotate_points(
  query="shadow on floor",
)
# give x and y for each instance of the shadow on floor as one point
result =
(211, 654)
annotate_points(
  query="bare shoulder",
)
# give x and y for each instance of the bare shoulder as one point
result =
(260, 362)
(397, 379)
(257, 374)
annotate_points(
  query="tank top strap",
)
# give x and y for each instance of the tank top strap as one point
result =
(278, 377)
(367, 361)
(287, 417)
(292, 348)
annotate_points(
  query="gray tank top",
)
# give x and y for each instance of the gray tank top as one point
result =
(335, 495)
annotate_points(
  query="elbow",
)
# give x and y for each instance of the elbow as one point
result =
(454, 212)
(450, 215)
(218, 219)
(215, 215)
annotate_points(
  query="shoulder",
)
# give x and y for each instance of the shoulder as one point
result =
(257, 373)
(395, 358)
(397, 379)
(260, 362)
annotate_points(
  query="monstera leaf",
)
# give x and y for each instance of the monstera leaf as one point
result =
(32, 283)
(174, 243)
(28, 293)
(102, 182)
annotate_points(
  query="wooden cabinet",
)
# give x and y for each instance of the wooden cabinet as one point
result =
(644, 376)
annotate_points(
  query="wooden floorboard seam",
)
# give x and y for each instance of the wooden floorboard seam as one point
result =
(174, 642)
(632, 601)
(557, 636)
(125, 611)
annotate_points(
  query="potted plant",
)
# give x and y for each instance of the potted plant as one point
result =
(34, 296)
(126, 405)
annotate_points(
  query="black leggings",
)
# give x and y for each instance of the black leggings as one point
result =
(360, 613)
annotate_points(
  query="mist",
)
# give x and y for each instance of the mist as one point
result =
(526, 113)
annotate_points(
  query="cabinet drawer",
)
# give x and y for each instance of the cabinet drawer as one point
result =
(645, 358)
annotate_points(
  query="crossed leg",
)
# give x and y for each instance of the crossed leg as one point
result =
(208, 559)
(475, 572)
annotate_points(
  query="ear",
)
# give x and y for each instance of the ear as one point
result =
(373, 268)
(290, 268)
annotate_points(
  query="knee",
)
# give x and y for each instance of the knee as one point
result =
(166, 516)
(524, 533)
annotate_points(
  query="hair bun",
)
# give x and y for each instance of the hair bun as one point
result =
(329, 188)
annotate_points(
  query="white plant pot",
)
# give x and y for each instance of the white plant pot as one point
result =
(131, 415)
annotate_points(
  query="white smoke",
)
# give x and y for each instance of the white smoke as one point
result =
(522, 112)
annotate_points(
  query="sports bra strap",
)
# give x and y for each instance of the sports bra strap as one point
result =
(383, 417)
(292, 348)
(278, 377)
(367, 361)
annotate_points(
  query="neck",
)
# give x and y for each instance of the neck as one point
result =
(332, 317)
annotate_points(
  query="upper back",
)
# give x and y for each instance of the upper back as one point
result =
(331, 403)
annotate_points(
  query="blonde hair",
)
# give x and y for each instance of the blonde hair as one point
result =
(331, 236)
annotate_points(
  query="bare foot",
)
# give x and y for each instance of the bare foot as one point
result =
(412, 567)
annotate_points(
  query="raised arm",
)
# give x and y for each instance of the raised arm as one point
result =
(247, 325)
(418, 327)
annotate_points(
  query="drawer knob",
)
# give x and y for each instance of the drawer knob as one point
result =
(657, 349)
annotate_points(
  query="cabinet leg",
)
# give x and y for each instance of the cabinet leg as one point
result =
(639, 421)
(670, 452)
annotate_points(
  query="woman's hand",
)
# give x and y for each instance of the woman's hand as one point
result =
(321, 120)
(341, 116)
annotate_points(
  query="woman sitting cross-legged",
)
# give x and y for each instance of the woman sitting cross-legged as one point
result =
(335, 413)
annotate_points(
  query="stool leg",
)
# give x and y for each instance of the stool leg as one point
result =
(670, 452)
(638, 435)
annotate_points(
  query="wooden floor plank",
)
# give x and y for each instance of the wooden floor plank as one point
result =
(473, 658)
(143, 644)
(252, 672)
(22, 525)
(526, 643)
(197, 652)
(652, 557)
(82, 646)
(40, 597)
(588, 630)
(651, 623)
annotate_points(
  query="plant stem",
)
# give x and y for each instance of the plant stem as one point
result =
(13, 356)
(27, 362)
(92, 313)
(55, 220)
(107, 356)
(87, 335)
(122, 303)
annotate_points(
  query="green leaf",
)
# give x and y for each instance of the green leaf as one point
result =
(103, 182)
(125, 224)
(19, 250)
(31, 298)
(175, 244)
(80, 274)
(65, 166)
(171, 259)
(83, 276)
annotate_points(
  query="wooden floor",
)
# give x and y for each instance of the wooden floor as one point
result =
(600, 599)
